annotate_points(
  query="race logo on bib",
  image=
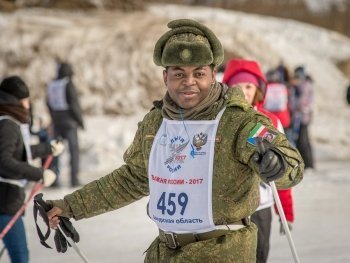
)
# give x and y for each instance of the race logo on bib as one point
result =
(176, 158)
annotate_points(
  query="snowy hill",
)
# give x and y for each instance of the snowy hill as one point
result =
(112, 56)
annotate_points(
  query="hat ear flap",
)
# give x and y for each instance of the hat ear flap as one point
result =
(158, 49)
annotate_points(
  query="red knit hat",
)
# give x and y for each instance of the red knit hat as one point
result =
(243, 77)
(236, 66)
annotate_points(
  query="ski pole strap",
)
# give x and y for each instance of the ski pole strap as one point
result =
(66, 228)
(41, 207)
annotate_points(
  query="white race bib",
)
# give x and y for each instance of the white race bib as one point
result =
(56, 95)
(26, 140)
(180, 175)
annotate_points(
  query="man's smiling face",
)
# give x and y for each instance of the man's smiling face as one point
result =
(188, 85)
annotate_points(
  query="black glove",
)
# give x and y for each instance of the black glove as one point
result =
(60, 241)
(269, 160)
(290, 226)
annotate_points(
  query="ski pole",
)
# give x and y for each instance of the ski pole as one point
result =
(42, 207)
(261, 150)
(284, 221)
(74, 245)
(36, 189)
(2, 251)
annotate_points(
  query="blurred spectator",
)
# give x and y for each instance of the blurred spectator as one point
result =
(302, 110)
(66, 114)
(283, 72)
(16, 162)
(276, 98)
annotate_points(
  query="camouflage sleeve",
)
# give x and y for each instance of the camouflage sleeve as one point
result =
(244, 149)
(117, 189)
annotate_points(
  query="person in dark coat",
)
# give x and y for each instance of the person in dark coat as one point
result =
(16, 156)
(302, 114)
(66, 114)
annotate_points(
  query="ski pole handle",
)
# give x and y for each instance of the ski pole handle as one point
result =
(260, 145)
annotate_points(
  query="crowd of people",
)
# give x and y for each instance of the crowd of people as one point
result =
(287, 99)
(291, 98)
(205, 154)
(247, 75)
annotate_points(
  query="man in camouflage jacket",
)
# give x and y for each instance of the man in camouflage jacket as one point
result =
(194, 154)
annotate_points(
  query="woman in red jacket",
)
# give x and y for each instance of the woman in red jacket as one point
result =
(248, 76)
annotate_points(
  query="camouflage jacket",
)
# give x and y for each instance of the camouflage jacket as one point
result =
(235, 181)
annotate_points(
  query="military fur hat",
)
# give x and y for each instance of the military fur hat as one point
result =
(188, 42)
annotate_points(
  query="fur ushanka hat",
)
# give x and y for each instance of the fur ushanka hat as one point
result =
(188, 43)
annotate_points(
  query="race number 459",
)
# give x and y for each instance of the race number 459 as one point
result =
(169, 203)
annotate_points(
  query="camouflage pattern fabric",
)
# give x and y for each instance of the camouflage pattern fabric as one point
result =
(235, 247)
(235, 183)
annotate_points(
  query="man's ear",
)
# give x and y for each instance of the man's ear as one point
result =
(165, 75)
(214, 75)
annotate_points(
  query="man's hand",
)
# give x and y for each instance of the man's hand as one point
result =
(270, 163)
(56, 219)
(57, 147)
(53, 215)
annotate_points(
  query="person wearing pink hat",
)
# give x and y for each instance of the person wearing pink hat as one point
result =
(248, 76)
